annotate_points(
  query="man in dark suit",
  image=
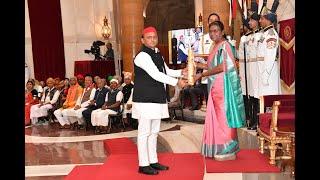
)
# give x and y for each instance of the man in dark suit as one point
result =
(97, 102)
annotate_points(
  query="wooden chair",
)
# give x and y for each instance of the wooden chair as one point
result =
(276, 128)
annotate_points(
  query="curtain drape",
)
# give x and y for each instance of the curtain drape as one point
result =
(47, 38)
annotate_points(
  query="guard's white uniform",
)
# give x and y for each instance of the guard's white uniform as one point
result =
(269, 76)
(253, 73)
(242, 71)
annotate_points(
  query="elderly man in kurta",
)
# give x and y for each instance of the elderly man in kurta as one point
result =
(74, 92)
(48, 101)
(83, 101)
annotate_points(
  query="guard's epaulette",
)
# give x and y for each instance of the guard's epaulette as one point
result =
(257, 30)
(248, 33)
(267, 28)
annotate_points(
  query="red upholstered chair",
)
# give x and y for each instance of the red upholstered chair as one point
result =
(276, 128)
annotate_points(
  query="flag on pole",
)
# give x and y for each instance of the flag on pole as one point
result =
(234, 9)
(230, 12)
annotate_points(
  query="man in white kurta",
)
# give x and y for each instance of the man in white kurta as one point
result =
(48, 100)
(74, 92)
(100, 117)
(150, 99)
(82, 103)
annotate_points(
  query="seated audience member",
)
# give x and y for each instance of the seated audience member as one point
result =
(66, 81)
(185, 93)
(119, 78)
(62, 96)
(31, 98)
(48, 101)
(56, 82)
(104, 81)
(40, 89)
(74, 92)
(127, 111)
(198, 90)
(96, 103)
(65, 88)
(61, 99)
(80, 80)
(174, 101)
(127, 90)
(42, 84)
(95, 80)
(100, 117)
(83, 102)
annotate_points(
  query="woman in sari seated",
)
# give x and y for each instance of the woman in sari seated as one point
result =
(30, 99)
(225, 108)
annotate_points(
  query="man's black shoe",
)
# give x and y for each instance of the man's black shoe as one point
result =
(192, 109)
(159, 166)
(147, 170)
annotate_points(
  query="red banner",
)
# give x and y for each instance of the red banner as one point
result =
(287, 54)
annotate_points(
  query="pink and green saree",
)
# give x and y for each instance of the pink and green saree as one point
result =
(225, 108)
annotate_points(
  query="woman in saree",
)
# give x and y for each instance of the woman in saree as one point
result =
(225, 108)
(31, 98)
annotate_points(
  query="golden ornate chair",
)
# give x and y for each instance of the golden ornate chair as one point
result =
(276, 128)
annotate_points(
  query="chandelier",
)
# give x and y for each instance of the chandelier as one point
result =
(106, 29)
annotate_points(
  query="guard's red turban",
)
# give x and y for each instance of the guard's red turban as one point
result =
(149, 29)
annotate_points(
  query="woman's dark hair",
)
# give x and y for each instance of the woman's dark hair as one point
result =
(213, 14)
(30, 81)
(217, 23)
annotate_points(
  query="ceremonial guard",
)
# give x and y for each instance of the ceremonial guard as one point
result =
(253, 72)
(269, 78)
(243, 65)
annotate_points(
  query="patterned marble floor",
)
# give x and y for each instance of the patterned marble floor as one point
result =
(50, 153)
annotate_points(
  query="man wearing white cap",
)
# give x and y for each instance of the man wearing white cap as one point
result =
(100, 117)
(127, 91)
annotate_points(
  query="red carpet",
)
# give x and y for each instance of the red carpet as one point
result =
(248, 161)
(83, 172)
(122, 164)
(186, 166)
(120, 146)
